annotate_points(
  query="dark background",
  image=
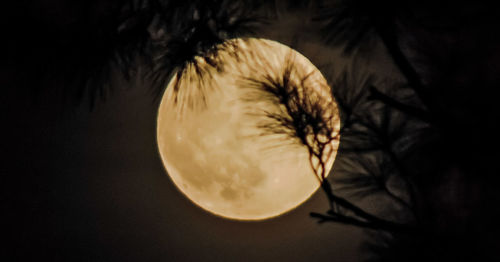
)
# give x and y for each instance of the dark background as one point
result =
(86, 183)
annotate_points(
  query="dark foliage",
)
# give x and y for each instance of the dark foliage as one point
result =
(360, 23)
(182, 31)
(445, 68)
(352, 23)
(82, 49)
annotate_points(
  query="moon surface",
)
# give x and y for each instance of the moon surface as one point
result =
(214, 151)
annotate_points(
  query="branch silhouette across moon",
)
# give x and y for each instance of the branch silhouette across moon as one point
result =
(214, 133)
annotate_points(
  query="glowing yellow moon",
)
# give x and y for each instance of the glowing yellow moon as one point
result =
(214, 154)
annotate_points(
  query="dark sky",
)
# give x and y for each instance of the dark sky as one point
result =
(88, 184)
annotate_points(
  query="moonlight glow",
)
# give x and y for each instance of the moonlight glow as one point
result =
(213, 150)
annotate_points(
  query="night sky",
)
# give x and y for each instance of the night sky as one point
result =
(86, 183)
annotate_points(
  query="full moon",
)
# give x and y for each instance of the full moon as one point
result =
(210, 138)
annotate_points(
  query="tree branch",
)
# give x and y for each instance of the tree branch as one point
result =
(423, 115)
(387, 226)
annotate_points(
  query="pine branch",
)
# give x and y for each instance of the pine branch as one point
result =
(418, 113)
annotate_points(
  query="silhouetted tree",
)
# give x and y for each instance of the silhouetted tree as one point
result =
(355, 23)
(309, 119)
(431, 44)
